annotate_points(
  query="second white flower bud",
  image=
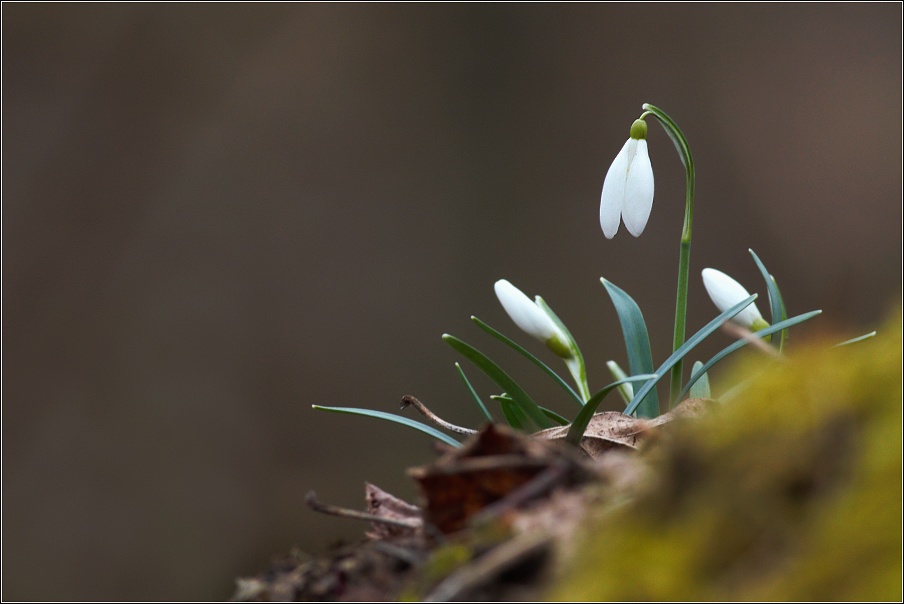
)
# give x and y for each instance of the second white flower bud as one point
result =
(532, 319)
(725, 292)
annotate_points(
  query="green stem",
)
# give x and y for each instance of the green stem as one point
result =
(579, 372)
(684, 254)
(575, 364)
(684, 258)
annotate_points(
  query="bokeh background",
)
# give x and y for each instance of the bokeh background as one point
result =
(215, 216)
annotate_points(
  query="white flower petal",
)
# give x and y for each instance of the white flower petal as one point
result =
(725, 292)
(525, 313)
(613, 195)
(638, 191)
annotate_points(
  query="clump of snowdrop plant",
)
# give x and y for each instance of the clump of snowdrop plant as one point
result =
(627, 196)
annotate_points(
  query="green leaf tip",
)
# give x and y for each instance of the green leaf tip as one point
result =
(780, 326)
(524, 402)
(687, 347)
(393, 418)
(530, 357)
(474, 395)
(865, 336)
(637, 342)
(700, 388)
(776, 303)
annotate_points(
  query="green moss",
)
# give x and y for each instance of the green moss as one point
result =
(790, 492)
(442, 562)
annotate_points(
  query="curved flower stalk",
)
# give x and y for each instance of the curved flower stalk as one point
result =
(628, 194)
(725, 292)
(628, 187)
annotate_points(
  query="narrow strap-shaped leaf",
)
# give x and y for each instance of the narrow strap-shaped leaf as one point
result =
(579, 425)
(512, 412)
(743, 342)
(637, 342)
(508, 342)
(473, 392)
(520, 415)
(783, 337)
(776, 304)
(394, 418)
(687, 347)
(555, 416)
(865, 336)
(700, 388)
(502, 379)
(626, 391)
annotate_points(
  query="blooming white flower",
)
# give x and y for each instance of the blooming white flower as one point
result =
(726, 292)
(628, 187)
(532, 319)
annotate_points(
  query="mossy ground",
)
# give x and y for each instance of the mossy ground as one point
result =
(790, 492)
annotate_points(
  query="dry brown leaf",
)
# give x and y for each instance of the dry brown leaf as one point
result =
(688, 408)
(606, 431)
(612, 430)
(499, 461)
(385, 505)
(488, 467)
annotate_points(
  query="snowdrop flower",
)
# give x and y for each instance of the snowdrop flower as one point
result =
(532, 319)
(726, 292)
(628, 188)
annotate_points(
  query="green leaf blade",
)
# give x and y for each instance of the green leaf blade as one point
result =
(626, 391)
(776, 303)
(637, 343)
(781, 325)
(555, 416)
(579, 425)
(502, 379)
(483, 408)
(865, 336)
(530, 357)
(512, 412)
(700, 388)
(687, 347)
(393, 418)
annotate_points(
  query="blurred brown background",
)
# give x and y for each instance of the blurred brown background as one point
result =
(215, 216)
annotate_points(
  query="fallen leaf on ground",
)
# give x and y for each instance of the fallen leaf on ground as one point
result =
(612, 430)
(385, 505)
(493, 464)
